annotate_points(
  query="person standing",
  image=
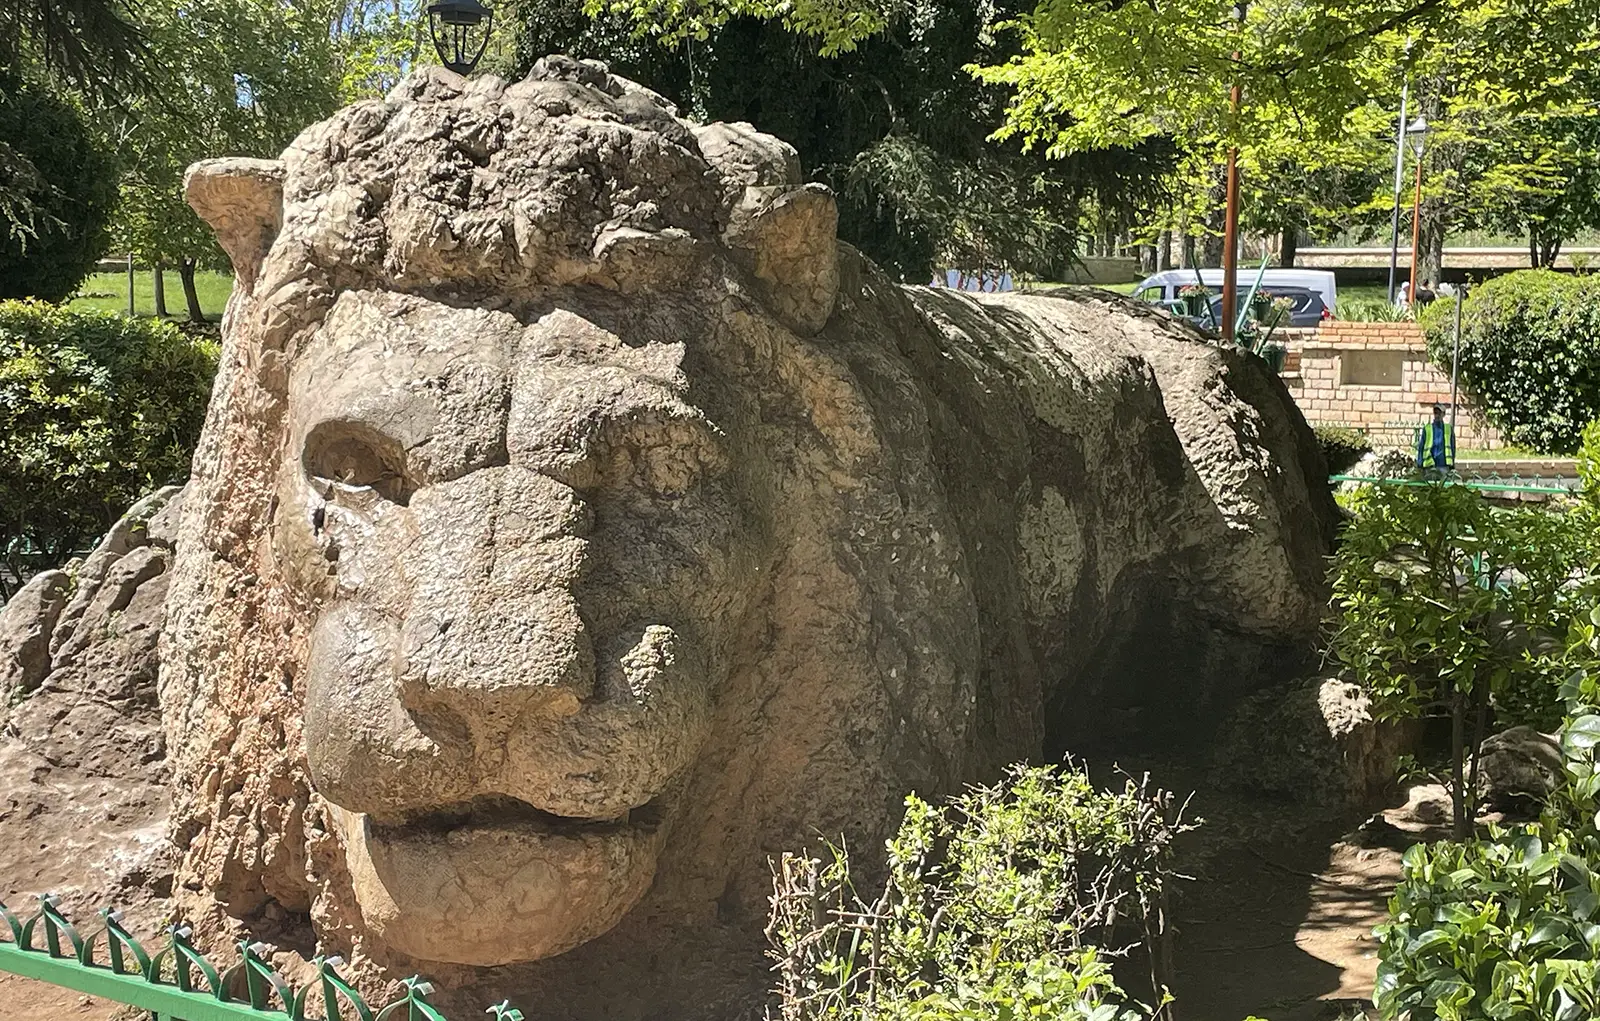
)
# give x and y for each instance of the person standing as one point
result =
(1436, 444)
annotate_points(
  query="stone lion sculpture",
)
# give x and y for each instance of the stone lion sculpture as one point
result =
(578, 523)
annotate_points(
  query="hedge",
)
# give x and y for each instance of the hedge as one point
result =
(96, 409)
(1530, 354)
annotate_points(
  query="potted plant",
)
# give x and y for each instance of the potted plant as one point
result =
(1261, 307)
(1195, 298)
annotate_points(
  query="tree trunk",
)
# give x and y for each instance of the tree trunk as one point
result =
(1430, 257)
(1458, 754)
(1164, 251)
(156, 272)
(1543, 250)
(1289, 246)
(190, 296)
(1216, 219)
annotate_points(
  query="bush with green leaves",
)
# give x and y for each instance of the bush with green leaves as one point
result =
(1530, 354)
(1342, 448)
(1010, 901)
(1447, 606)
(96, 409)
(1507, 928)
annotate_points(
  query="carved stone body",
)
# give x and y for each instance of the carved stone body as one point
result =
(577, 523)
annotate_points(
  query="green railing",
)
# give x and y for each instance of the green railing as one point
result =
(178, 984)
(1490, 484)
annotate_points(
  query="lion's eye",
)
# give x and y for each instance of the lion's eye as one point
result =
(357, 456)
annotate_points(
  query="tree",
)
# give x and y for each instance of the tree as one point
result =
(1090, 75)
(59, 193)
(237, 77)
(90, 44)
(1448, 607)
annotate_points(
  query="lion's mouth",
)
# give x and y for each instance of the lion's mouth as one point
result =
(504, 812)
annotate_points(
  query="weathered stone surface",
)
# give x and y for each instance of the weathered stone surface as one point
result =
(1518, 768)
(26, 620)
(83, 805)
(576, 523)
(1314, 743)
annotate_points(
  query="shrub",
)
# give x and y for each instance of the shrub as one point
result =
(66, 187)
(1530, 354)
(95, 410)
(1342, 449)
(1507, 927)
(1010, 901)
(1448, 607)
(1372, 310)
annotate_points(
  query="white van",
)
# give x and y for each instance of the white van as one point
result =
(1163, 287)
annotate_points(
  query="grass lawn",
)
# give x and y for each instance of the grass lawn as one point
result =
(108, 292)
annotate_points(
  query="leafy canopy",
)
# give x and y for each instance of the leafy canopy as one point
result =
(57, 192)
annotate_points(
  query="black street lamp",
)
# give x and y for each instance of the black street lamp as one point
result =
(460, 30)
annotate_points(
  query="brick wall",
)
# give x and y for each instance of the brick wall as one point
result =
(1330, 371)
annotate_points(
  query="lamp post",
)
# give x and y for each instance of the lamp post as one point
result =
(460, 31)
(1399, 176)
(1417, 133)
(1230, 222)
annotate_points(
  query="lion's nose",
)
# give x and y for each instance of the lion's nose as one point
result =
(492, 661)
(493, 632)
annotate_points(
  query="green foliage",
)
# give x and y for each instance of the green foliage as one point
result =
(1372, 310)
(1588, 464)
(896, 125)
(1506, 928)
(1342, 449)
(1448, 607)
(1010, 901)
(1530, 354)
(57, 190)
(236, 77)
(95, 410)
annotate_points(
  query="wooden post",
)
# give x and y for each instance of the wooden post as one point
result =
(1230, 223)
(130, 284)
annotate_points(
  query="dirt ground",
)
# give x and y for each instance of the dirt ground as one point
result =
(1285, 933)
(26, 1000)
(1279, 923)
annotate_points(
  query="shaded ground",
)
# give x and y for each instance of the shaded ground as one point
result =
(1284, 931)
(1278, 924)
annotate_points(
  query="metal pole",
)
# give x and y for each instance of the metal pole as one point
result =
(1455, 359)
(1230, 231)
(130, 283)
(1230, 226)
(1399, 174)
(1416, 232)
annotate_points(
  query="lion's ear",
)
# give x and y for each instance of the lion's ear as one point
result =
(788, 238)
(242, 200)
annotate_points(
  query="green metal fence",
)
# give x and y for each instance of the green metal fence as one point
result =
(1486, 484)
(178, 983)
